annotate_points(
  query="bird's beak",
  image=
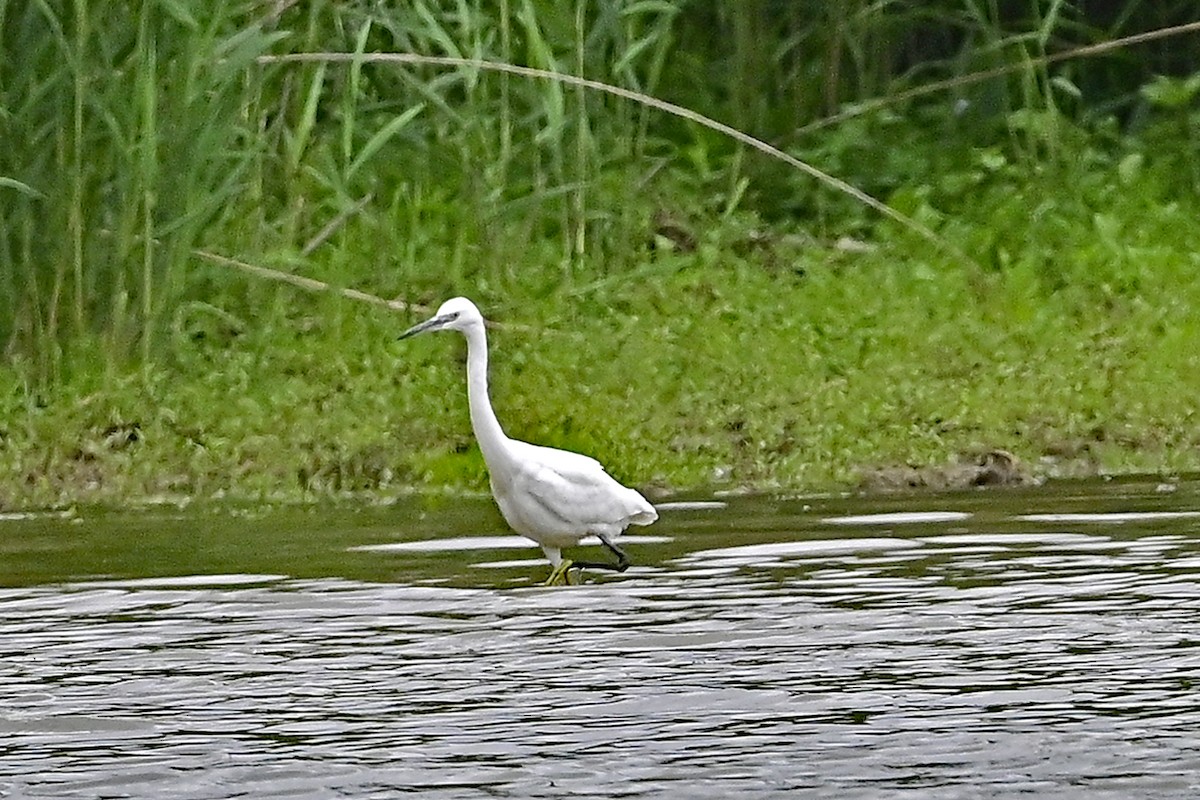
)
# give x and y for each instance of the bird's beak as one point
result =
(431, 324)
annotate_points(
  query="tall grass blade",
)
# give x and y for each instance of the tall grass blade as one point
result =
(653, 102)
(302, 135)
(21, 186)
(382, 137)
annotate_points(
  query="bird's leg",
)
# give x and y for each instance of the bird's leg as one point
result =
(561, 573)
(622, 559)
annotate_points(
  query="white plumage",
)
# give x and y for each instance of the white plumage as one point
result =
(554, 497)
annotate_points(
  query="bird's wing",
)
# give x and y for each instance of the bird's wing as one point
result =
(576, 489)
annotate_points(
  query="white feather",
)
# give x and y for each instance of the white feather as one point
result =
(556, 497)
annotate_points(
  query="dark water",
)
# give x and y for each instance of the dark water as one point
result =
(1041, 643)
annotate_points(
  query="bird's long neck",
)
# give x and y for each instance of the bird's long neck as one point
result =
(487, 428)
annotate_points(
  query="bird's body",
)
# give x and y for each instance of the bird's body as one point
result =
(554, 497)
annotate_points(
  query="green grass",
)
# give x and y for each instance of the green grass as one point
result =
(759, 359)
(679, 305)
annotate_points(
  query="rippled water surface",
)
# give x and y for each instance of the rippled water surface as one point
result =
(1042, 643)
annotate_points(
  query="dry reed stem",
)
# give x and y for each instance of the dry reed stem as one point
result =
(314, 285)
(858, 109)
(308, 284)
(335, 224)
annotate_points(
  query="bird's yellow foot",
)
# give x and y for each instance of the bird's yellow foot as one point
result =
(561, 576)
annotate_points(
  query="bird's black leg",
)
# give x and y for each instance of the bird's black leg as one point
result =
(622, 559)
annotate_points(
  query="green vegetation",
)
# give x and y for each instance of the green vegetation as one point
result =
(688, 310)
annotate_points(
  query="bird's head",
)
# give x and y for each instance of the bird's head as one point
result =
(456, 314)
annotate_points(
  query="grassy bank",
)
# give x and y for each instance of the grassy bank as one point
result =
(753, 356)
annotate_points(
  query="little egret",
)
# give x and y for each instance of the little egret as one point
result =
(554, 497)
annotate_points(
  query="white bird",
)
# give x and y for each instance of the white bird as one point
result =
(554, 497)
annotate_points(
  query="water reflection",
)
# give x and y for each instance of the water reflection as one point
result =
(762, 650)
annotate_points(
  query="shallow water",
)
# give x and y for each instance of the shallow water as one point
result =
(1040, 643)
